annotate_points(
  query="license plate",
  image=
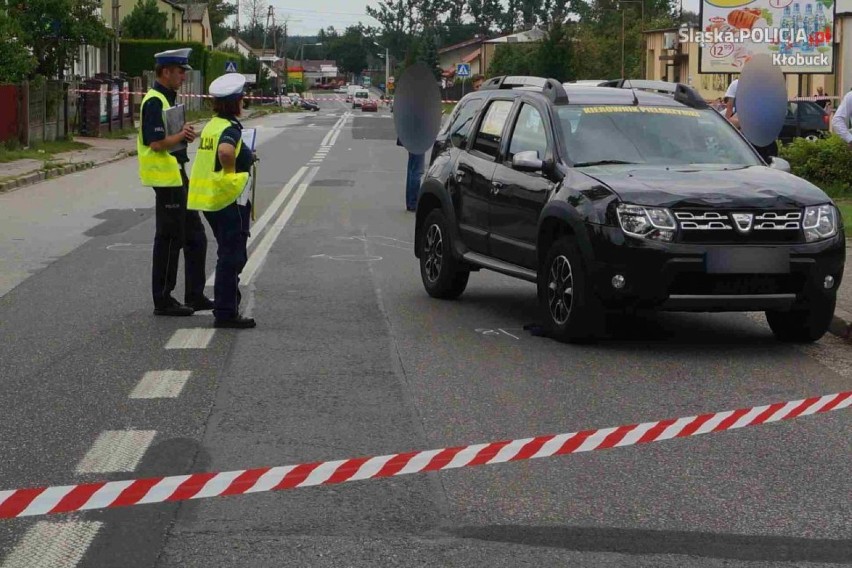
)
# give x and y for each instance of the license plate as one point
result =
(747, 261)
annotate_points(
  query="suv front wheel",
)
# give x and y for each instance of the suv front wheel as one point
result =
(803, 325)
(565, 299)
(440, 271)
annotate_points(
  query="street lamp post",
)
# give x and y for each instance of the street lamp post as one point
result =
(387, 67)
(641, 29)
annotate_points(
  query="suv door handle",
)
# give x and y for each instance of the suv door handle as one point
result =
(460, 175)
(496, 186)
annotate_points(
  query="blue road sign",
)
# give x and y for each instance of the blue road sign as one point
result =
(230, 67)
(463, 69)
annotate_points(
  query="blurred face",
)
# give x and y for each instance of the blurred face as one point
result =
(477, 84)
(173, 77)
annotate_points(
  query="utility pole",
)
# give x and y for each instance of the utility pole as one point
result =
(116, 25)
(238, 17)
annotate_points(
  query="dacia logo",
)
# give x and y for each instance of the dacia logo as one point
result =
(743, 221)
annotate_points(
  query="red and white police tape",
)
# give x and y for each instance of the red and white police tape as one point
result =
(104, 495)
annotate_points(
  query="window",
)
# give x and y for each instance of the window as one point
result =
(661, 135)
(459, 128)
(491, 130)
(529, 133)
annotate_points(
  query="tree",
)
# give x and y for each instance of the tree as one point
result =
(513, 60)
(17, 61)
(430, 54)
(146, 21)
(54, 30)
(553, 57)
(349, 50)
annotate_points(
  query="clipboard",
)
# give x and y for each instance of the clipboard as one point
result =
(249, 139)
(174, 119)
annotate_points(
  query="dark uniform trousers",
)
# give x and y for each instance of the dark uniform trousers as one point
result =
(177, 228)
(231, 227)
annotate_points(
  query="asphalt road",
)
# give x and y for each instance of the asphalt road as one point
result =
(352, 358)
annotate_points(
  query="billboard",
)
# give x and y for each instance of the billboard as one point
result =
(797, 34)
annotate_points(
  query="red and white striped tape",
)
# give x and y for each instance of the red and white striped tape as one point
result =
(814, 99)
(91, 496)
(188, 95)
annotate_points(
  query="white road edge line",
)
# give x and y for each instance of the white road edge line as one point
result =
(53, 545)
(270, 212)
(259, 254)
(161, 384)
(116, 450)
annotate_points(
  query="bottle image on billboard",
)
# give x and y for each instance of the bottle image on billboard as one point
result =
(808, 25)
(797, 26)
(820, 24)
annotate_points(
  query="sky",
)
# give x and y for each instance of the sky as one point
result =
(306, 18)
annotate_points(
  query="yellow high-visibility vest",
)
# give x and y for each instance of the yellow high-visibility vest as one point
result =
(157, 169)
(210, 190)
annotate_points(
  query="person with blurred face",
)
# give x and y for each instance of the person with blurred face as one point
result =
(477, 81)
(162, 165)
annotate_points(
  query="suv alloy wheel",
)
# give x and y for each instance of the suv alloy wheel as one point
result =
(566, 304)
(441, 274)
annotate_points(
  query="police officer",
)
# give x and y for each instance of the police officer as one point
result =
(161, 166)
(218, 185)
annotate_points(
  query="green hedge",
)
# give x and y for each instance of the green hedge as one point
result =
(215, 66)
(137, 55)
(826, 163)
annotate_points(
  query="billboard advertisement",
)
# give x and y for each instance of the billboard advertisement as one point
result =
(797, 34)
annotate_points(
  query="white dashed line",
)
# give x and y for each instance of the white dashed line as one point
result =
(161, 384)
(116, 450)
(53, 545)
(193, 338)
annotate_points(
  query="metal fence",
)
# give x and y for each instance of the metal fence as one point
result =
(193, 85)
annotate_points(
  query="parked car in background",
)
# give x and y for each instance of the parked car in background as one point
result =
(805, 119)
(299, 102)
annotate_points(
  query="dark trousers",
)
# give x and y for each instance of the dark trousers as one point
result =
(231, 227)
(416, 165)
(177, 228)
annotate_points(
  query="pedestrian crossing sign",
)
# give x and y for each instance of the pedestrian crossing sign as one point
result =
(230, 67)
(463, 69)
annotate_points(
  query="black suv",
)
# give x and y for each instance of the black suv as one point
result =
(623, 199)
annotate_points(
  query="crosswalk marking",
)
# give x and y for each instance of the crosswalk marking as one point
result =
(53, 545)
(161, 384)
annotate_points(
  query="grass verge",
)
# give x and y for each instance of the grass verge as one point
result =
(40, 151)
(447, 108)
(123, 133)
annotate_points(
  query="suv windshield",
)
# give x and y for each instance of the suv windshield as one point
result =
(362, 95)
(661, 135)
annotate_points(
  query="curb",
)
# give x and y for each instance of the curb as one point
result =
(42, 175)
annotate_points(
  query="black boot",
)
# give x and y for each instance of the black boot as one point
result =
(238, 322)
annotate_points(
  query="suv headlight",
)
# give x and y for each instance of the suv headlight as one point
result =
(654, 223)
(820, 222)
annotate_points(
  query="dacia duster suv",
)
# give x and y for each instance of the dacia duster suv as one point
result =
(624, 198)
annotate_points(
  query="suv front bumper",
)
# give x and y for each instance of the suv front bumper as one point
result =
(689, 277)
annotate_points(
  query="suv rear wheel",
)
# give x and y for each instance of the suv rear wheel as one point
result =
(565, 299)
(803, 325)
(440, 271)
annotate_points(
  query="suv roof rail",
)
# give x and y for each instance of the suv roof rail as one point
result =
(551, 88)
(682, 93)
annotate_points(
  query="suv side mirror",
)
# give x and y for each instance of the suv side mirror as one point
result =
(527, 161)
(777, 163)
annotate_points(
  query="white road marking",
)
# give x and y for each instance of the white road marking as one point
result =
(116, 450)
(334, 138)
(259, 254)
(161, 384)
(53, 545)
(192, 338)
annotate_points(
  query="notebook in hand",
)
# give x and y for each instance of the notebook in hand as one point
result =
(175, 118)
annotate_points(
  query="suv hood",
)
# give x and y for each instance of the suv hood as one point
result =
(708, 186)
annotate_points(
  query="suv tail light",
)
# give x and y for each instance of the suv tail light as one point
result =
(826, 119)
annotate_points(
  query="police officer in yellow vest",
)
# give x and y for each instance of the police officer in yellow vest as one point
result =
(162, 161)
(218, 185)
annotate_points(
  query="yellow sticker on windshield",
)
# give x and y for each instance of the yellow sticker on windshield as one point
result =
(640, 109)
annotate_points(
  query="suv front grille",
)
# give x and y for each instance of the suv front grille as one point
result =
(742, 226)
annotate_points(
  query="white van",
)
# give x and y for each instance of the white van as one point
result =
(350, 92)
(359, 97)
